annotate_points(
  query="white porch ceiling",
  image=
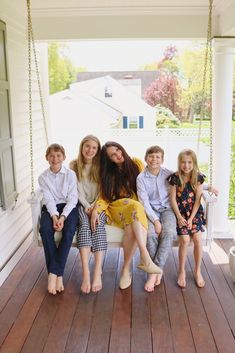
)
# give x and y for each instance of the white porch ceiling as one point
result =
(102, 7)
(71, 19)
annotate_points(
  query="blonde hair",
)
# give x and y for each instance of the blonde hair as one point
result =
(77, 165)
(195, 171)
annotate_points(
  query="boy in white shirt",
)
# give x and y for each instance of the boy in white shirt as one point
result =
(59, 213)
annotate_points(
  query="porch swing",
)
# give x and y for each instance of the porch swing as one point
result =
(114, 234)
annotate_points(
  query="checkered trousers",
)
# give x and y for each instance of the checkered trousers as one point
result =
(96, 240)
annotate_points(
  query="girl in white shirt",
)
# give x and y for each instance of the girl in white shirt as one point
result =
(86, 167)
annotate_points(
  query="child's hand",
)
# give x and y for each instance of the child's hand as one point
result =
(60, 223)
(55, 221)
(182, 221)
(89, 210)
(94, 220)
(189, 223)
(157, 227)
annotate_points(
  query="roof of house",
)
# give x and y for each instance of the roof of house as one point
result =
(146, 77)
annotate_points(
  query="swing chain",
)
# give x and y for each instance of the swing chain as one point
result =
(207, 59)
(31, 45)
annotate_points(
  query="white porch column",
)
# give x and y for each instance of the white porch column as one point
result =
(222, 128)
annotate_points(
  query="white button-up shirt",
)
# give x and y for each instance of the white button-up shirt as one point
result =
(153, 191)
(59, 188)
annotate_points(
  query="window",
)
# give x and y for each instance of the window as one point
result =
(133, 122)
(7, 178)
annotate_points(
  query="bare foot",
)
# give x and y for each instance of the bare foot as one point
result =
(59, 284)
(150, 283)
(182, 280)
(97, 282)
(158, 280)
(86, 285)
(199, 280)
(52, 279)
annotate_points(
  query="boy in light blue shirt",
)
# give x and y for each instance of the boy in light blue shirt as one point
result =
(153, 193)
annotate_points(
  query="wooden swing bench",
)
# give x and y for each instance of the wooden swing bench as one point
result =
(115, 234)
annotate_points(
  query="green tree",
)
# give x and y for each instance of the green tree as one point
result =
(61, 70)
(191, 64)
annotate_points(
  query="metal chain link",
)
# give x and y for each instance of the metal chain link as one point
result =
(31, 42)
(207, 58)
(211, 77)
(30, 101)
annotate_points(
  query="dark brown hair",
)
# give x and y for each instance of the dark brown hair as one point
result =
(117, 180)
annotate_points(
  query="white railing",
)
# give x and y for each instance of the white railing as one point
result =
(163, 132)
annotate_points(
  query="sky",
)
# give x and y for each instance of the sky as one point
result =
(119, 55)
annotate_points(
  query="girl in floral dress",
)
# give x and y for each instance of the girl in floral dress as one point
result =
(119, 201)
(185, 193)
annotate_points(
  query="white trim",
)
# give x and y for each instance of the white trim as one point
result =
(121, 11)
(6, 270)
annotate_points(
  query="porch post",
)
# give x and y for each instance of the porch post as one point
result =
(222, 129)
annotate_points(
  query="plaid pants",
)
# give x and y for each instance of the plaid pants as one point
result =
(96, 240)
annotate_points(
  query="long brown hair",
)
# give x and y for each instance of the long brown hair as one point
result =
(195, 171)
(78, 164)
(117, 179)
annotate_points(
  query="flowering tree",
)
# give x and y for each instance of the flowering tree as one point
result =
(165, 90)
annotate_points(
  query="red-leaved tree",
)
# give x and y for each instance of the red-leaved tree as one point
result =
(165, 90)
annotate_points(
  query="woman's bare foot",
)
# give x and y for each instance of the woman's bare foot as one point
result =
(97, 282)
(150, 283)
(59, 284)
(199, 280)
(86, 284)
(182, 279)
(52, 280)
(158, 280)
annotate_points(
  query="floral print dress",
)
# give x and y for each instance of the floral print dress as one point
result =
(125, 210)
(185, 200)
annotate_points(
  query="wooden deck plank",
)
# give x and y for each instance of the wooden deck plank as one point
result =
(15, 277)
(19, 331)
(141, 340)
(60, 329)
(161, 328)
(103, 310)
(180, 325)
(223, 337)
(200, 327)
(20, 295)
(120, 337)
(40, 329)
(81, 323)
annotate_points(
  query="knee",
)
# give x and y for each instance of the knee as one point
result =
(184, 241)
(196, 240)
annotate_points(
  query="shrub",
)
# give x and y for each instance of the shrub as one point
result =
(165, 117)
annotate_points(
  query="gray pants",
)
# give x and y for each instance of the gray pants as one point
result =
(159, 247)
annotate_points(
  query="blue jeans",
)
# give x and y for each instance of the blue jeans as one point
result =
(56, 257)
(159, 247)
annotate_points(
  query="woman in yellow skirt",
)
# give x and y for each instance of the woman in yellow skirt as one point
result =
(119, 201)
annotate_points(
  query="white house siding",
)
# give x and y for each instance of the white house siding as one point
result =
(16, 224)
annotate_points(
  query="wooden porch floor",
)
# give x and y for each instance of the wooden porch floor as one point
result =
(169, 320)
